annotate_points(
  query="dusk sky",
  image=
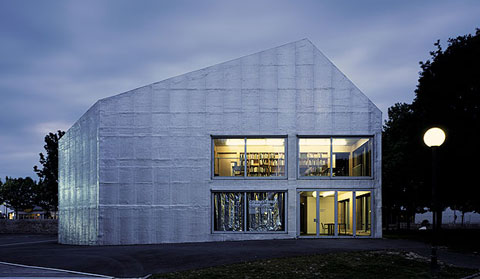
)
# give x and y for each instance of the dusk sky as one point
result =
(57, 58)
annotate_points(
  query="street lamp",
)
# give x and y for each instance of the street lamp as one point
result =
(433, 138)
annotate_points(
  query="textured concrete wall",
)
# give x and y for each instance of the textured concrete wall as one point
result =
(155, 141)
(78, 181)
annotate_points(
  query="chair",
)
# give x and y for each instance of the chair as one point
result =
(324, 228)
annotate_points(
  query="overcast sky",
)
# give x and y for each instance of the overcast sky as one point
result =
(58, 57)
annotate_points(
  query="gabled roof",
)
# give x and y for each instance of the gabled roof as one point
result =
(299, 53)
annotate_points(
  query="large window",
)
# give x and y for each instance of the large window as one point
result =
(249, 211)
(350, 156)
(249, 157)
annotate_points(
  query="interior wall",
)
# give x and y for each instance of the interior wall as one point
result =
(327, 210)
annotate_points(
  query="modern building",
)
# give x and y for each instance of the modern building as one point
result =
(277, 144)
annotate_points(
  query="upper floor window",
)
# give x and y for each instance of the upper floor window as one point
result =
(249, 157)
(349, 156)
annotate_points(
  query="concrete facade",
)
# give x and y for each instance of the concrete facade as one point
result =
(137, 167)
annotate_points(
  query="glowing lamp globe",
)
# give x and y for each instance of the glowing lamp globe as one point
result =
(434, 137)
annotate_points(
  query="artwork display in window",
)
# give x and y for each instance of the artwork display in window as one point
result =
(228, 211)
(265, 211)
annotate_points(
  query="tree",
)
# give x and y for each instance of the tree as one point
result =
(402, 177)
(447, 95)
(18, 193)
(1, 199)
(47, 188)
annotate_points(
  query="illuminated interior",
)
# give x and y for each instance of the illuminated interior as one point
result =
(345, 216)
(227, 157)
(348, 213)
(363, 212)
(265, 157)
(335, 156)
(314, 157)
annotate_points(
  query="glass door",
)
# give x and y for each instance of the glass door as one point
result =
(326, 203)
(308, 213)
(334, 213)
(317, 213)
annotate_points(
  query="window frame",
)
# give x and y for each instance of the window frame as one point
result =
(245, 231)
(331, 177)
(245, 176)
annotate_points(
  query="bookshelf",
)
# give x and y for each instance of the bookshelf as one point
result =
(264, 163)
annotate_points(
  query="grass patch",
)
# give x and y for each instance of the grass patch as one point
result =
(368, 264)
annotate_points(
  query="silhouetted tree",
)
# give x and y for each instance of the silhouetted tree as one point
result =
(47, 188)
(18, 193)
(447, 95)
(1, 198)
(403, 164)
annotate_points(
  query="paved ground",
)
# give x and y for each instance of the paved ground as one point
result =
(141, 260)
(17, 271)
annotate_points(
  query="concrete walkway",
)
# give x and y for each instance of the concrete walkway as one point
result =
(141, 260)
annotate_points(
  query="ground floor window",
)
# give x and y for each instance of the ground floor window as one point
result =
(249, 211)
(229, 213)
(335, 213)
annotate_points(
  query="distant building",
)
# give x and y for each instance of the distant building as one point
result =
(277, 144)
(32, 213)
(451, 217)
(5, 212)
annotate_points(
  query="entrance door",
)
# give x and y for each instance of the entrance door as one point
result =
(308, 214)
(317, 213)
(334, 213)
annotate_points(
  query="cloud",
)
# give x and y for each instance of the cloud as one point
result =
(58, 58)
(44, 128)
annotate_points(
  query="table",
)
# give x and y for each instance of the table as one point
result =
(330, 228)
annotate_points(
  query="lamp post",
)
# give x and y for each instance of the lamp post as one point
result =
(433, 138)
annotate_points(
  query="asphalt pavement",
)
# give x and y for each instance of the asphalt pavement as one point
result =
(141, 260)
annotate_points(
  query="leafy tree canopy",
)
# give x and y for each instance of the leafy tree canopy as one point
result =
(47, 188)
(18, 193)
(448, 96)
